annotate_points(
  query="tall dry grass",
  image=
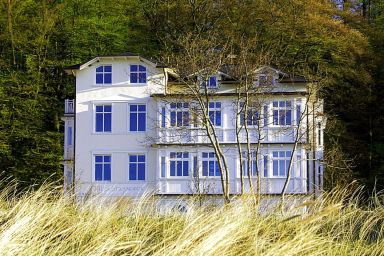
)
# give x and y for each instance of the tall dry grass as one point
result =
(44, 222)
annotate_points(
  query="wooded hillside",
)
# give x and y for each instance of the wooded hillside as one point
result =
(339, 44)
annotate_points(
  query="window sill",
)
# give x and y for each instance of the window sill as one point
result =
(123, 84)
(137, 84)
(102, 85)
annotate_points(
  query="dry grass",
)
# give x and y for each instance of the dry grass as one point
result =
(45, 223)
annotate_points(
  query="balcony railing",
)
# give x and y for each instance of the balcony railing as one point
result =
(69, 107)
(198, 135)
(68, 152)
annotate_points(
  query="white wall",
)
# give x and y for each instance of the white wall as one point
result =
(121, 142)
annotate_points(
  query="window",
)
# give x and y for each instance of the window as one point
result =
(104, 74)
(266, 115)
(215, 113)
(319, 133)
(195, 167)
(253, 169)
(299, 171)
(212, 82)
(138, 74)
(102, 167)
(210, 165)
(298, 114)
(104, 118)
(179, 164)
(282, 112)
(163, 117)
(280, 162)
(69, 136)
(136, 167)
(162, 167)
(137, 117)
(265, 80)
(179, 114)
(265, 162)
(252, 115)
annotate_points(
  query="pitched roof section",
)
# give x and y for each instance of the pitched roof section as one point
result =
(81, 66)
(229, 73)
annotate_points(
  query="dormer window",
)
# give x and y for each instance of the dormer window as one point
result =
(104, 74)
(138, 74)
(265, 80)
(212, 82)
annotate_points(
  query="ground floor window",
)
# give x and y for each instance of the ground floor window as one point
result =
(102, 167)
(210, 164)
(253, 163)
(280, 163)
(137, 167)
(179, 164)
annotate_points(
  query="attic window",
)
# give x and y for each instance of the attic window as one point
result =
(104, 74)
(212, 82)
(138, 74)
(265, 80)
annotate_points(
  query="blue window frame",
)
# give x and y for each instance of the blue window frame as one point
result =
(136, 167)
(179, 164)
(104, 74)
(265, 162)
(253, 169)
(210, 165)
(214, 109)
(163, 117)
(251, 115)
(102, 167)
(298, 114)
(266, 114)
(69, 136)
(212, 82)
(138, 74)
(103, 118)
(282, 112)
(179, 114)
(137, 117)
(280, 163)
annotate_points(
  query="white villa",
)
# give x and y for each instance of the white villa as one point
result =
(128, 132)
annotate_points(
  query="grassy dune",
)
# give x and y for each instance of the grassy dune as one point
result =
(45, 223)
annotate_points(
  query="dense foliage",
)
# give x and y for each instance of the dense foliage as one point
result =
(337, 43)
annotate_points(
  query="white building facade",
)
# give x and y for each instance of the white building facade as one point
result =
(127, 134)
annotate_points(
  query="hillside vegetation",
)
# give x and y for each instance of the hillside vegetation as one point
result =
(46, 223)
(338, 43)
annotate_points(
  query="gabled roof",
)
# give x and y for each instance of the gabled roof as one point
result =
(80, 66)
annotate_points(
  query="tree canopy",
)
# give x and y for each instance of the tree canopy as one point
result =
(336, 43)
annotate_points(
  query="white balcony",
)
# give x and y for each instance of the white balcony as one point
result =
(193, 135)
(189, 185)
(69, 107)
